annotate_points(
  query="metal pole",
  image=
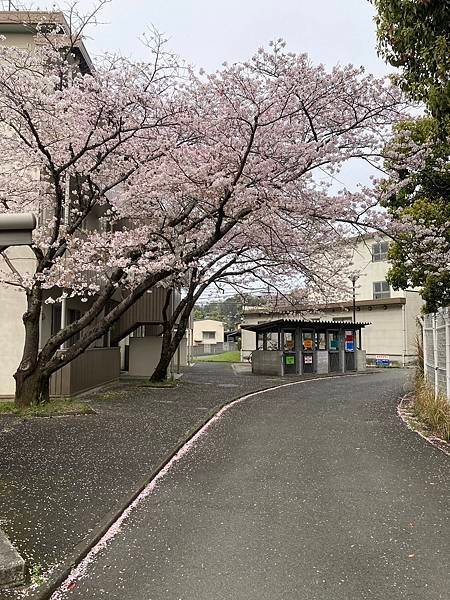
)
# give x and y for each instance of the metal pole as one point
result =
(446, 314)
(435, 356)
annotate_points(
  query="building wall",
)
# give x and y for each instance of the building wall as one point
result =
(370, 271)
(208, 325)
(19, 40)
(413, 309)
(12, 308)
(393, 328)
(12, 299)
(144, 355)
(385, 335)
(93, 368)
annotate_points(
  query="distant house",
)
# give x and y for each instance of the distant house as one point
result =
(208, 331)
(391, 313)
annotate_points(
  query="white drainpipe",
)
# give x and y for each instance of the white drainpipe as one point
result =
(404, 326)
(63, 317)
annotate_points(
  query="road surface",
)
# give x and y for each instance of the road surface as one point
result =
(315, 491)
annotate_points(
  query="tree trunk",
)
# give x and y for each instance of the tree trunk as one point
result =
(31, 388)
(31, 382)
(160, 372)
(170, 345)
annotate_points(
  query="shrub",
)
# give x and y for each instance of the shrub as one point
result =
(432, 410)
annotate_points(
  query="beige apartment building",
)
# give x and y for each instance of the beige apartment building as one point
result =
(133, 344)
(392, 314)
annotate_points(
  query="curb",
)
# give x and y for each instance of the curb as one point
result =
(12, 565)
(81, 550)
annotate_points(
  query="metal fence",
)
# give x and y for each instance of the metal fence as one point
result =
(207, 349)
(436, 350)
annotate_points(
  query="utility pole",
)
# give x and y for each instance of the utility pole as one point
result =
(353, 279)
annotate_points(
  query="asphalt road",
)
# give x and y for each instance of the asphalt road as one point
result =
(312, 492)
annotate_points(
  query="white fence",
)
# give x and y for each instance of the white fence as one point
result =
(436, 350)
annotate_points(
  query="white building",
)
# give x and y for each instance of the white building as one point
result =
(208, 331)
(392, 314)
(134, 342)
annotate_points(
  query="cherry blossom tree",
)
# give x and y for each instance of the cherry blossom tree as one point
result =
(184, 168)
(316, 261)
(68, 139)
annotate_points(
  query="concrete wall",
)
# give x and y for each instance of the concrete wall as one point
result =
(144, 355)
(19, 40)
(182, 353)
(267, 362)
(322, 361)
(208, 325)
(361, 360)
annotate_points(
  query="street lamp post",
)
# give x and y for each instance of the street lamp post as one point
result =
(353, 279)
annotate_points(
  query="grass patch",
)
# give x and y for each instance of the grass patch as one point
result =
(51, 409)
(230, 357)
(433, 411)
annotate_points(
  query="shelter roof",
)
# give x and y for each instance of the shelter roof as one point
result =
(300, 323)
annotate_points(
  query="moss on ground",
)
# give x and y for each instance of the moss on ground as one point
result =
(54, 408)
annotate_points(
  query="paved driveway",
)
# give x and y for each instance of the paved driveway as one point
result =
(312, 492)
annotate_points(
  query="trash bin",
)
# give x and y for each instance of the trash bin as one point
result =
(290, 363)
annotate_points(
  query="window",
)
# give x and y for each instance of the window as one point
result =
(380, 251)
(272, 340)
(333, 341)
(307, 341)
(321, 340)
(56, 318)
(381, 290)
(209, 335)
(289, 341)
(260, 341)
(72, 316)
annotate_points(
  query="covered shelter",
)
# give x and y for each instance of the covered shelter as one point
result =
(296, 347)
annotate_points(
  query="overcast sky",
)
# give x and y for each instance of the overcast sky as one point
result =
(209, 32)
